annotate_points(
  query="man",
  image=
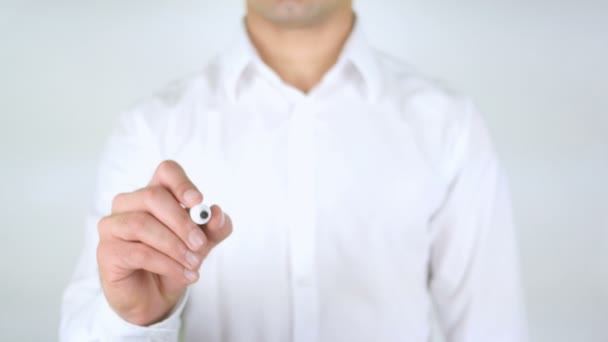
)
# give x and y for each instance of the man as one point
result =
(359, 194)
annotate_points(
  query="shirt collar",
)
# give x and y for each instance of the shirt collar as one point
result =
(362, 56)
(241, 53)
(235, 58)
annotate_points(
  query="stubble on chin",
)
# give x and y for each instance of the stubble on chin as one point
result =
(294, 13)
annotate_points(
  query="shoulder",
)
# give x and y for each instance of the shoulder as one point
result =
(178, 96)
(440, 118)
(420, 93)
(176, 105)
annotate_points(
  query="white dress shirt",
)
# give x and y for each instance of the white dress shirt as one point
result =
(356, 208)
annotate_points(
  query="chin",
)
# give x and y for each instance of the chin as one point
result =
(294, 13)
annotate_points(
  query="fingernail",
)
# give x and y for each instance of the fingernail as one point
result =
(191, 259)
(190, 275)
(192, 196)
(195, 238)
(223, 220)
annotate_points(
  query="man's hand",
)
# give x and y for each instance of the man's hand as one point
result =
(150, 250)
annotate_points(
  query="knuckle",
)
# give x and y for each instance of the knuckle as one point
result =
(103, 225)
(117, 200)
(137, 221)
(167, 166)
(136, 256)
(156, 234)
(152, 194)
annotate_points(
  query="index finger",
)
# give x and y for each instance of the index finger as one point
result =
(170, 175)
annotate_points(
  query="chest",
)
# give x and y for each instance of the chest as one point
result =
(357, 163)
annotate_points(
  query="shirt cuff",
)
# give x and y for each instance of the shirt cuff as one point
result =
(112, 327)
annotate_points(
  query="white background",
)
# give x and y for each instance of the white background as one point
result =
(537, 69)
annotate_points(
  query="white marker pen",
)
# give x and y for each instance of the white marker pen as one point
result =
(200, 213)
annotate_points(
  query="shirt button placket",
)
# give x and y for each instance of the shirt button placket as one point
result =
(302, 223)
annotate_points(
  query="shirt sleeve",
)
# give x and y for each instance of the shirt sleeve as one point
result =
(474, 273)
(127, 163)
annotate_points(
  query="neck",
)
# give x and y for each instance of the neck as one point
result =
(302, 55)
